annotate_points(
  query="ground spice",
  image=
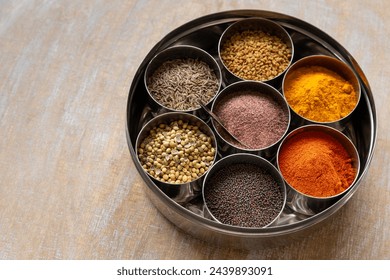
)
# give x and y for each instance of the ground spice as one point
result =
(319, 94)
(316, 164)
(257, 120)
(244, 194)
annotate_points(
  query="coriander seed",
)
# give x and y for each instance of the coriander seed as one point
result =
(165, 158)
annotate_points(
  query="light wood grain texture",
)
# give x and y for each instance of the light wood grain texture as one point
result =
(68, 186)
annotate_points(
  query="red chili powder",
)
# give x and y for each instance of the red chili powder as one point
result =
(258, 120)
(316, 164)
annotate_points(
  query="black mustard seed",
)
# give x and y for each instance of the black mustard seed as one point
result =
(244, 195)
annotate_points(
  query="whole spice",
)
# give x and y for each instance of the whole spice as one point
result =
(257, 120)
(176, 153)
(179, 83)
(319, 94)
(316, 164)
(255, 55)
(244, 195)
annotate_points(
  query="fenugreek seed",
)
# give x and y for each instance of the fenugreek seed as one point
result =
(240, 54)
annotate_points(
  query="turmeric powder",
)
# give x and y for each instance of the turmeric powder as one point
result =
(319, 94)
(316, 164)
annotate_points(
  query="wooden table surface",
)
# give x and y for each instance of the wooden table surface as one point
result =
(68, 185)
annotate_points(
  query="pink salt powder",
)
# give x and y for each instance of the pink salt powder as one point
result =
(258, 120)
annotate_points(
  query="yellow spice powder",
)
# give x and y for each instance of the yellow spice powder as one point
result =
(319, 94)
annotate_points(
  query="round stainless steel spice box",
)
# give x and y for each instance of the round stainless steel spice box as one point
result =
(187, 210)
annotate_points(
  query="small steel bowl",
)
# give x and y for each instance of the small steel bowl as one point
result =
(180, 192)
(244, 158)
(334, 65)
(255, 24)
(226, 145)
(311, 205)
(181, 52)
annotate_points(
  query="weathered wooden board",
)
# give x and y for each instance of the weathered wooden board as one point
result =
(68, 186)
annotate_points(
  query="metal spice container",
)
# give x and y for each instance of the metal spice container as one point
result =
(331, 64)
(255, 49)
(309, 204)
(244, 190)
(265, 117)
(182, 86)
(180, 190)
(185, 207)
